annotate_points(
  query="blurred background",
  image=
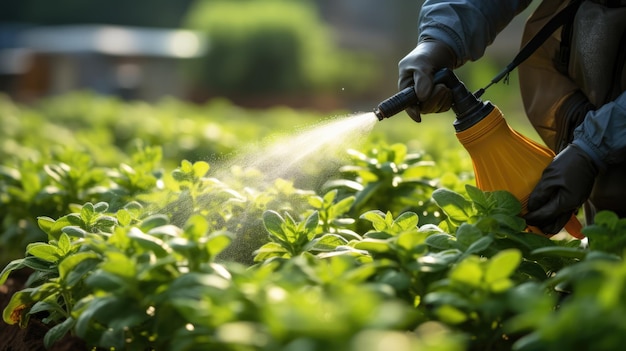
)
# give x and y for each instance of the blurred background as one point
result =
(319, 54)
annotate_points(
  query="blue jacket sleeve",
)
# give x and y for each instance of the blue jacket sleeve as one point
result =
(467, 26)
(603, 133)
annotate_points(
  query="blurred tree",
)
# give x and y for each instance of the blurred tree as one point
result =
(273, 46)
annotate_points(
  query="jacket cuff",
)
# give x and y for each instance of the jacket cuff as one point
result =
(593, 155)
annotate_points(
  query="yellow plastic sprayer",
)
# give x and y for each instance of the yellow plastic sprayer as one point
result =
(503, 159)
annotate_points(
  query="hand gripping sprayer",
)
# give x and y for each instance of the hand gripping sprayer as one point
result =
(503, 159)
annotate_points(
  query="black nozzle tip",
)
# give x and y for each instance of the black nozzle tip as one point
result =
(379, 114)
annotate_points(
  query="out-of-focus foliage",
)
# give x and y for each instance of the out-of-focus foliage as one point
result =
(272, 46)
(149, 13)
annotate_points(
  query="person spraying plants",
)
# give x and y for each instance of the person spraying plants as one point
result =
(572, 82)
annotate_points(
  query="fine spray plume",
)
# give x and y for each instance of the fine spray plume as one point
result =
(502, 158)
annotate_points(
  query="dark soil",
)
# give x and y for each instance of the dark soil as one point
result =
(14, 338)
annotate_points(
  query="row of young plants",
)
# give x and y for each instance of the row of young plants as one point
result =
(439, 270)
(393, 252)
(83, 147)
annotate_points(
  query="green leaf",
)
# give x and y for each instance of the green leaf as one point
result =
(442, 298)
(438, 261)
(312, 222)
(196, 227)
(451, 315)
(530, 240)
(44, 251)
(315, 202)
(377, 235)
(200, 169)
(53, 228)
(46, 224)
(68, 264)
(73, 219)
(16, 310)
(330, 196)
(105, 281)
(560, 251)
(269, 250)
(411, 240)
(398, 280)
(502, 265)
(478, 196)
(166, 231)
(149, 243)
(273, 223)
(154, 221)
(57, 332)
(342, 206)
(479, 245)
(87, 212)
(123, 217)
(51, 288)
(606, 218)
(468, 271)
(49, 306)
(119, 264)
(377, 218)
(64, 244)
(406, 221)
(74, 231)
(101, 207)
(110, 311)
(9, 173)
(467, 234)
(12, 266)
(373, 245)
(442, 241)
(104, 222)
(508, 221)
(326, 242)
(218, 241)
(453, 204)
(506, 203)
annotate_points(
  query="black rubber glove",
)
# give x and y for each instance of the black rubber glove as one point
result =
(564, 186)
(418, 68)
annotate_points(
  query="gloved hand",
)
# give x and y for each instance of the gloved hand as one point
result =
(417, 69)
(564, 186)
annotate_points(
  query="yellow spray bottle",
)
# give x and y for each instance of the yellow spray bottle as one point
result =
(503, 159)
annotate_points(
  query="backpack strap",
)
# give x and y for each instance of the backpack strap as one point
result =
(564, 16)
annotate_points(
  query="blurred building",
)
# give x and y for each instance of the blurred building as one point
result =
(129, 62)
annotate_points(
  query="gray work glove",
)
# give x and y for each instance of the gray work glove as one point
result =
(418, 68)
(564, 186)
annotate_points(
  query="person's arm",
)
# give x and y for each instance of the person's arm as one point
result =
(567, 182)
(467, 26)
(602, 134)
(450, 33)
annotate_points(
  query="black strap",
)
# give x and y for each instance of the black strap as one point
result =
(535, 42)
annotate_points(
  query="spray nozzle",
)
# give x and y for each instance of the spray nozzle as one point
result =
(407, 97)
(467, 107)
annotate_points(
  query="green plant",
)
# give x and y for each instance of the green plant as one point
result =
(389, 177)
(129, 256)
